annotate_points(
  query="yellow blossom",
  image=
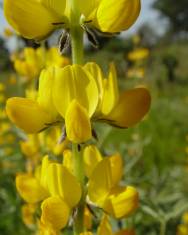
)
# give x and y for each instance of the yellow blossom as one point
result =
(52, 183)
(84, 96)
(8, 33)
(37, 19)
(31, 61)
(138, 54)
(104, 189)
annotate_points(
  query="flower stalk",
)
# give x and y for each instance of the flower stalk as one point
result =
(76, 33)
(77, 46)
(79, 173)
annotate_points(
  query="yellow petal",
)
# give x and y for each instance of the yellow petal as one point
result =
(62, 183)
(55, 213)
(104, 227)
(30, 189)
(27, 114)
(121, 202)
(45, 92)
(30, 18)
(113, 16)
(88, 8)
(46, 230)
(105, 176)
(92, 157)
(68, 160)
(97, 74)
(110, 92)
(78, 126)
(57, 6)
(133, 105)
(44, 172)
(73, 82)
(28, 211)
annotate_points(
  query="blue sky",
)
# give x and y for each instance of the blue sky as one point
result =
(146, 15)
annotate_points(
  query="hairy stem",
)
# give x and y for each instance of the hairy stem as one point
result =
(79, 173)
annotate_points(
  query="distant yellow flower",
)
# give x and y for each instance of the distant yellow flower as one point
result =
(136, 73)
(138, 54)
(2, 98)
(12, 79)
(37, 19)
(186, 150)
(185, 218)
(2, 87)
(32, 61)
(183, 228)
(136, 39)
(8, 33)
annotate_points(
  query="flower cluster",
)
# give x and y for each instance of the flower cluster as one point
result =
(85, 187)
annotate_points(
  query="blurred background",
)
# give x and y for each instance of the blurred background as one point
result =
(153, 53)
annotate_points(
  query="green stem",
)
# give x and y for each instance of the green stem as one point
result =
(79, 173)
(163, 228)
(77, 45)
(76, 33)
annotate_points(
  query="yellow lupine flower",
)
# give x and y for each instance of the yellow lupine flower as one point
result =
(104, 227)
(54, 184)
(182, 229)
(92, 157)
(122, 110)
(185, 218)
(30, 115)
(30, 147)
(104, 189)
(31, 61)
(33, 19)
(79, 93)
(30, 188)
(37, 19)
(55, 213)
(27, 114)
(138, 54)
(82, 94)
(28, 211)
(8, 33)
(136, 73)
(2, 87)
